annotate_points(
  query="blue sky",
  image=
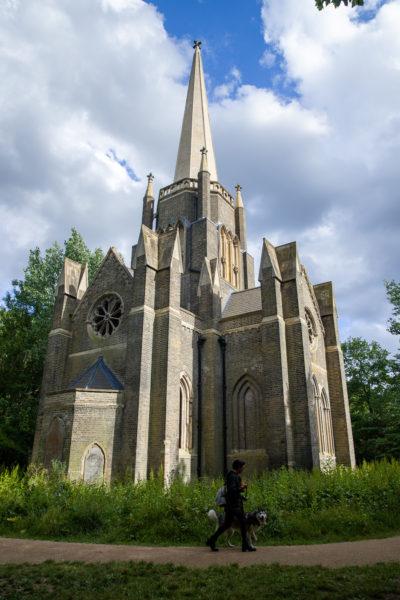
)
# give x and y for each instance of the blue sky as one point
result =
(232, 36)
(93, 92)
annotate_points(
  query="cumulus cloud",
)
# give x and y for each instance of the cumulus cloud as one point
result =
(92, 97)
(323, 168)
(90, 93)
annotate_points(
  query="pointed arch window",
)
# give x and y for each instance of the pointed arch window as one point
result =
(236, 262)
(326, 407)
(224, 253)
(324, 421)
(230, 257)
(246, 416)
(185, 414)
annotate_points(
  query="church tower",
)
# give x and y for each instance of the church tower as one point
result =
(180, 362)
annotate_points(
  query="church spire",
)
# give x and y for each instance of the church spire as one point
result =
(196, 131)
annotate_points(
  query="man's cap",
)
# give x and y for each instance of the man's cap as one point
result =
(238, 464)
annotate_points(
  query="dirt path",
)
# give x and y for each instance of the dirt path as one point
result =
(328, 555)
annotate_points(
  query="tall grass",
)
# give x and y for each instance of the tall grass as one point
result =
(302, 506)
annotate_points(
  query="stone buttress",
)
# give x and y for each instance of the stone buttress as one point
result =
(179, 364)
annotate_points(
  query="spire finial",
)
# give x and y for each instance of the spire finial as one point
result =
(149, 189)
(204, 162)
(239, 199)
(197, 44)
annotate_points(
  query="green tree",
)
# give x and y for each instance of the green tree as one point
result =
(393, 294)
(25, 320)
(322, 3)
(373, 384)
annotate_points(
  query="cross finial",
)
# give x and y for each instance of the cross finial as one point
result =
(150, 177)
(197, 44)
(238, 187)
(203, 151)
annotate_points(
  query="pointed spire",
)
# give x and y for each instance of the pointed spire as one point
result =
(196, 131)
(239, 199)
(149, 190)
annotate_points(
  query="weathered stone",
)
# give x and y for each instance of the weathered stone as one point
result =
(199, 366)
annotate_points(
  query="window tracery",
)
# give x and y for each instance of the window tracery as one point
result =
(312, 329)
(230, 257)
(324, 421)
(106, 314)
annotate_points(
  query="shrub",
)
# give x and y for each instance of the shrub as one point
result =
(302, 506)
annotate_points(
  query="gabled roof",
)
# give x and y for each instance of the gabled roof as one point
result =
(243, 302)
(97, 377)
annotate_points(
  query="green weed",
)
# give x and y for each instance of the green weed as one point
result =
(303, 507)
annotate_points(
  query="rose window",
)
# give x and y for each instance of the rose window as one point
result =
(312, 331)
(106, 315)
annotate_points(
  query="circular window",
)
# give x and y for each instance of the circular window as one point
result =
(106, 315)
(312, 330)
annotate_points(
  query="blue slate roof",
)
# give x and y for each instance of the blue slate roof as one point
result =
(97, 377)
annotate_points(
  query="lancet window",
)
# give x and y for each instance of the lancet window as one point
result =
(324, 421)
(246, 416)
(185, 414)
(230, 257)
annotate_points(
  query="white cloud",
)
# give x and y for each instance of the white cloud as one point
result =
(232, 82)
(323, 169)
(79, 79)
(268, 59)
(76, 80)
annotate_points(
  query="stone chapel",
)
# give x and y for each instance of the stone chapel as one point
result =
(180, 361)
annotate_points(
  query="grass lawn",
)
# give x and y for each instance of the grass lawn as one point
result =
(148, 581)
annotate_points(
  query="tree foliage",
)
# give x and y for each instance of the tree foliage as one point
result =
(373, 382)
(393, 293)
(336, 3)
(25, 320)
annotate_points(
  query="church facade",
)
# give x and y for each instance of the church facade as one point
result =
(180, 361)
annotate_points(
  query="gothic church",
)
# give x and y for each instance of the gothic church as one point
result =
(180, 362)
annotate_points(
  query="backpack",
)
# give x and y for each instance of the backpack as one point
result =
(220, 498)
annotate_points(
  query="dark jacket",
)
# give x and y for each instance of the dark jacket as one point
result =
(234, 499)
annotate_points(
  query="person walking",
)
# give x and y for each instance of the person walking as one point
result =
(233, 507)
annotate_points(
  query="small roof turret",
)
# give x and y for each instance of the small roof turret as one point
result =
(204, 161)
(149, 189)
(239, 199)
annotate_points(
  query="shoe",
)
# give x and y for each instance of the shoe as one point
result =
(211, 544)
(249, 549)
